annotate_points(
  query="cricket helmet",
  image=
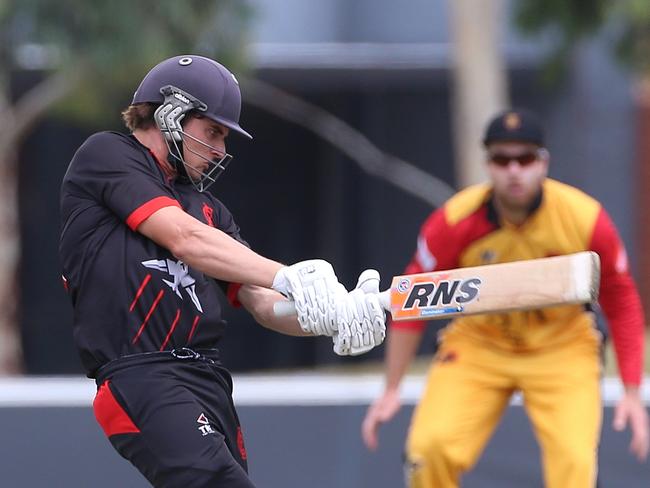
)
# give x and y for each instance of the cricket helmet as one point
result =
(214, 91)
(185, 84)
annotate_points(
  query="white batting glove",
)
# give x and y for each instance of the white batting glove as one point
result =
(315, 290)
(361, 318)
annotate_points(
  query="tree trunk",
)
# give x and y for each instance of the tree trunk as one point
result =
(479, 81)
(16, 121)
(10, 348)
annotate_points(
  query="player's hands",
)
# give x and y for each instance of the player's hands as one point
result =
(631, 409)
(361, 321)
(315, 290)
(381, 411)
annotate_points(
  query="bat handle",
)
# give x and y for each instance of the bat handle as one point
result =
(284, 309)
(384, 299)
(288, 308)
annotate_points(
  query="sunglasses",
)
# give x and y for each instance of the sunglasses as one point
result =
(523, 159)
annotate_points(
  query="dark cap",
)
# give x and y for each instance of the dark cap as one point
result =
(516, 126)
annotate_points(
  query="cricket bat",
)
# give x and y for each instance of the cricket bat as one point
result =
(493, 288)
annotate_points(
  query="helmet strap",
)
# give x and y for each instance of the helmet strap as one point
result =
(176, 160)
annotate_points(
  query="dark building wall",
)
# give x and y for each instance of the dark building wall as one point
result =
(45, 312)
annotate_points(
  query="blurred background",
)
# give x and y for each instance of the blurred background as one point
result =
(366, 116)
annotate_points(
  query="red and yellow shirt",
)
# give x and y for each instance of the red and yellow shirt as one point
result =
(467, 231)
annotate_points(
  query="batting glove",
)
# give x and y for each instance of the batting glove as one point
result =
(315, 290)
(361, 318)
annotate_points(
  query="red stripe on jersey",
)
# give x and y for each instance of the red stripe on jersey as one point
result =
(110, 415)
(146, 319)
(171, 330)
(139, 292)
(448, 242)
(194, 324)
(231, 294)
(144, 211)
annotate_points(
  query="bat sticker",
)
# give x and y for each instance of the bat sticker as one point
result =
(424, 297)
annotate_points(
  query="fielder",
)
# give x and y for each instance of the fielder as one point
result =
(551, 355)
(144, 250)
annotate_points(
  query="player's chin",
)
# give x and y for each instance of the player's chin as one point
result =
(519, 199)
(195, 174)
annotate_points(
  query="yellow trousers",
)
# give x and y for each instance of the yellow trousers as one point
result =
(469, 387)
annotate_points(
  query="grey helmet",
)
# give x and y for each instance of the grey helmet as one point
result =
(185, 83)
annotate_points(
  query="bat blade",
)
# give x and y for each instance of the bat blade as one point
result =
(495, 288)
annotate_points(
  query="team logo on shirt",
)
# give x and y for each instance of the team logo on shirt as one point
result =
(488, 256)
(204, 425)
(182, 279)
(208, 213)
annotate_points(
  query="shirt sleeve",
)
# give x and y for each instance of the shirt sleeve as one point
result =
(225, 222)
(435, 249)
(109, 169)
(619, 300)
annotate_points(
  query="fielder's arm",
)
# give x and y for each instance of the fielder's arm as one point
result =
(402, 344)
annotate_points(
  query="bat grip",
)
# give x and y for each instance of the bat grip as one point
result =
(384, 300)
(288, 308)
(284, 309)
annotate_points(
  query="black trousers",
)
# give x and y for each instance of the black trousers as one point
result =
(175, 421)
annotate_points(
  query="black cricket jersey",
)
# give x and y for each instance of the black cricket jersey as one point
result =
(130, 295)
